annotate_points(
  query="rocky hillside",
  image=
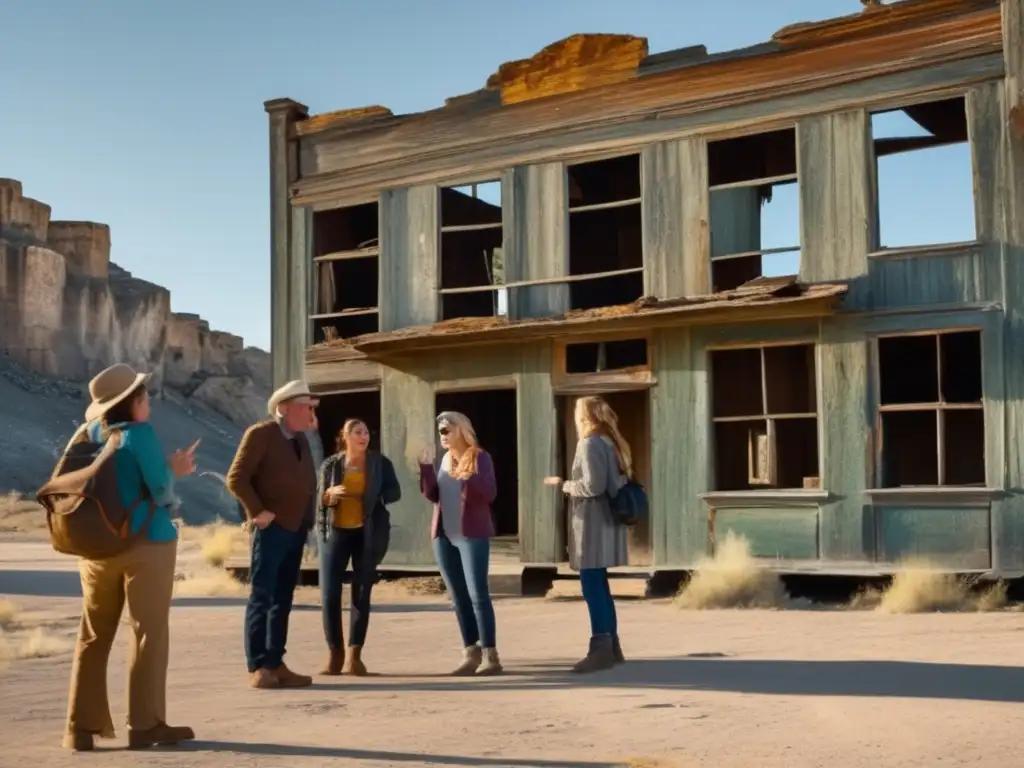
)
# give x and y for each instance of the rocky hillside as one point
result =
(67, 312)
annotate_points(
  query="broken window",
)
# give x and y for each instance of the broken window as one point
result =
(605, 233)
(765, 415)
(472, 264)
(598, 356)
(345, 257)
(754, 208)
(923, 175)
(931, 412)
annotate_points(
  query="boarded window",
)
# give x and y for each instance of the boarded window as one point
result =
(931, 412)
(605, 232)
(472, 264)
(345, 256)
(764, 409)
(924, 174)
(754, 208)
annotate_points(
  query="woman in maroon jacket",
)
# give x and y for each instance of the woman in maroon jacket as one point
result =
(462, 487)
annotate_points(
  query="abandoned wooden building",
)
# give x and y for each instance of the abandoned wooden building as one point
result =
(842, 389)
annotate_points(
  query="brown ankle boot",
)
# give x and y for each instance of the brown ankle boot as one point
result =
(263, 678)
(80, 741)
(353, 662)
(491, 664)
(334, 663)
(617, 650)
(160, 734)
(288, 679)
(472, 658)
(599, 656)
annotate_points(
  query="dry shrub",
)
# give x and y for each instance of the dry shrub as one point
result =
(9, 613)
(731, 579)
(207, 582)
(421, 586)
(221, 542)
(919, 588)
(20, 640)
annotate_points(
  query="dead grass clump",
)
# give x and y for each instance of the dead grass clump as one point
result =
(9, 613)
(207, 583)
(731, 579)
(921, 588)
(221, 542)
(425, 586)
(38, 643)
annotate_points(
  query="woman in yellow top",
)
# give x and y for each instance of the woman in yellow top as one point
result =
(353, 523)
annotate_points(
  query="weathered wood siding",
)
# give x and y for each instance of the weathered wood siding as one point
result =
(536, 241)
(409, 257)
(540, 506)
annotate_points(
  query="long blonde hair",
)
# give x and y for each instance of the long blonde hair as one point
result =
(593, 416)
(466, 466)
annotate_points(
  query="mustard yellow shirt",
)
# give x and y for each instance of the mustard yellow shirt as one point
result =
(349, 512)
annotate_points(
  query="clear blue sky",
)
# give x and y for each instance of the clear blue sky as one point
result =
(149, 115)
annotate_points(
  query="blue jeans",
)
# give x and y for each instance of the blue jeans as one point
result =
(597, 593)
(345, 544)
(464, 566)
(274, 572)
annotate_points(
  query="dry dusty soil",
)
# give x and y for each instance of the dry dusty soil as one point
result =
(722, 689)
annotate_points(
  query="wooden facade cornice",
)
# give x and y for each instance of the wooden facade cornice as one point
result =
(356, 155)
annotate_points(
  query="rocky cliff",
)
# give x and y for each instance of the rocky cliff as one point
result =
(67, 311)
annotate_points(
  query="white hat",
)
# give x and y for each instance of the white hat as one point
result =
(293, 390)
(111, 386)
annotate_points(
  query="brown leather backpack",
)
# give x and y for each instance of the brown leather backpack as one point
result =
(84, 511)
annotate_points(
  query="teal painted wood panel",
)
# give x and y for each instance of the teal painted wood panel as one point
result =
(844, 440)
(409, 257)
(407, 425)
(926, 279)
(954, 537)
(680, 450)
(540, 506)
(784, 534)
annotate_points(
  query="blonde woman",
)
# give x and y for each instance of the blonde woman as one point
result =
(353, 523)
(462, 488)
(602, 465)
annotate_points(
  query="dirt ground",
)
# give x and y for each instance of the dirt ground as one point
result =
(728, 689)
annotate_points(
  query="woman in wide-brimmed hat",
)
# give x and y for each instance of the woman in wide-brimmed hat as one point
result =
(142, 577)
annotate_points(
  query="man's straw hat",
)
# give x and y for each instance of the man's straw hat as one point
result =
(290, 392)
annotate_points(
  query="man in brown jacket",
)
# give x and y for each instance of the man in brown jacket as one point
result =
(274, 479)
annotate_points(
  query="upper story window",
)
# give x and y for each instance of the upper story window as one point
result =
(345, 256)
(754, 208)
(931, 410)
(765, 414)
(606, 254)
(472, 264)
(924, 175)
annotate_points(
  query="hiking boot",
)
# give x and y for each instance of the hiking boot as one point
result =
(491, 663)
(263, 678)
(160, 734)
(80, 741)
(353, 662)
(288, 679)
(334, 663)
(472, 658)
(617, 650)
(599, 656)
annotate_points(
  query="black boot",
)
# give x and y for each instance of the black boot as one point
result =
(599, 656)
(617, 650)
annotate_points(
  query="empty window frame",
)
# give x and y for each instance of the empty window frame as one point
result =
(600, 356)
(924, 188)
(754, 208)
(472, 262)
(345, 256)
(606, 261)
(931, 415)
(765, 415)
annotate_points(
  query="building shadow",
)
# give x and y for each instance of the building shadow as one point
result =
(876, 679)
(25, 583)
(418, 758)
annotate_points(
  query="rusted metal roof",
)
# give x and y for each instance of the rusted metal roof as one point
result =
(761, 299)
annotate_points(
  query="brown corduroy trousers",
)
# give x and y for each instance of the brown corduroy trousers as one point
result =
(144, 578)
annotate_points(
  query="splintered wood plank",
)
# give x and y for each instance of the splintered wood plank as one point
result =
(576, 63)
(409, 257)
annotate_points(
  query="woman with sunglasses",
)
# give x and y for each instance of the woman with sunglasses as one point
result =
(354, 524)
(462, 488)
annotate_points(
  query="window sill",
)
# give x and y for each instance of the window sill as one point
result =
(964, 247)
(922, 495)
(792, 497)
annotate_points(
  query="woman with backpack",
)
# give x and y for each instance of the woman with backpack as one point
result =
(602, 465)
(353, 523)
(142, 576)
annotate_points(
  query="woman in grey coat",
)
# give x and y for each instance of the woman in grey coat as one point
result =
(601, 466)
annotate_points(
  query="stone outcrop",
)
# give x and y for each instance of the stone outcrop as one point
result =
(67, 311)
